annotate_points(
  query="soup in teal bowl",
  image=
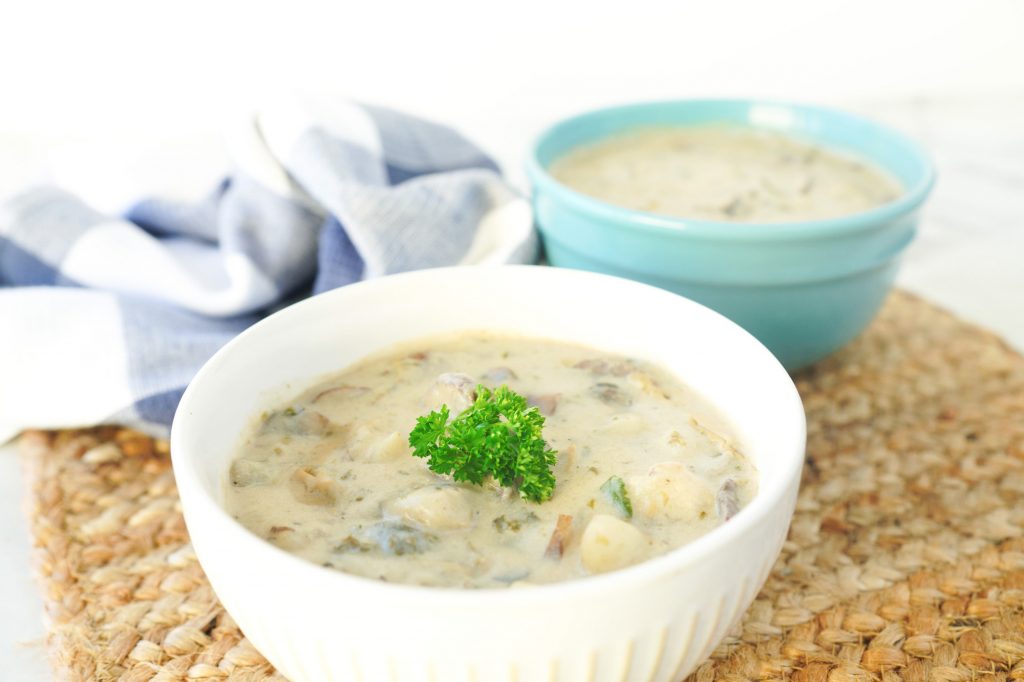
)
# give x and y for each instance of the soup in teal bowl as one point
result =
(805, 286)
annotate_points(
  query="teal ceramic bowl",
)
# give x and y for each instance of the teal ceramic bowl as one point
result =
(804, 289)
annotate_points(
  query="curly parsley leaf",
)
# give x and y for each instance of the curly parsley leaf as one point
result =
(499, 435)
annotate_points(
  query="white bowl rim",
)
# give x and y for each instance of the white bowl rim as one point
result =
(790, 453)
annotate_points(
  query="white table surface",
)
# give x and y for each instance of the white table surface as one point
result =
(969, 258)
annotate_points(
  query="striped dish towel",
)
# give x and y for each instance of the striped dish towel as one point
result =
(106, 316)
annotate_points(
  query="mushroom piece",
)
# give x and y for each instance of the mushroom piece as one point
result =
(567, 458)
(609, 543)
(546, 403)
(287, 538)
(726, 501)
(343, 392)
(298, 421)
(602, 367)
(457, 391)
(559, 537)
(611, 394)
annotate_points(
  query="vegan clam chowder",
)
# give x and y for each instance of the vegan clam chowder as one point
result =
(726, 173)
(480, 460)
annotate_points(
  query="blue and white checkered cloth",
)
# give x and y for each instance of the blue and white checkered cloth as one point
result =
(105, 318)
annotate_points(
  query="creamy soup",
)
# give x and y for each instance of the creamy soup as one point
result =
(724, 173)
(644, 465)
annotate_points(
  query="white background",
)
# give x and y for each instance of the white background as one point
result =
(950, 72)
(498, 70)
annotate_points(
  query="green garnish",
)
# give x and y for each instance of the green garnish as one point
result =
(615, 489)
(499, 435)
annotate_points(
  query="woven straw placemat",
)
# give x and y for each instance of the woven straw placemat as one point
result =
(905, 559)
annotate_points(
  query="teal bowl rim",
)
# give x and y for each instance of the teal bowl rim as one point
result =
(627, 218)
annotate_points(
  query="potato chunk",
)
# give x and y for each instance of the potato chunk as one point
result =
(609, 544)
(392, 446)
(670, 492)
(367, 442)
(443, 508)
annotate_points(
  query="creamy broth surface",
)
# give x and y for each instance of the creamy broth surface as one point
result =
(724, 173)
(330, 476)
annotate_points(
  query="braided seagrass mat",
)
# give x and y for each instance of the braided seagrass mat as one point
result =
(905, 560)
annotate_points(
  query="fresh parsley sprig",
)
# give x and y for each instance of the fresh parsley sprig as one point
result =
(499, 435)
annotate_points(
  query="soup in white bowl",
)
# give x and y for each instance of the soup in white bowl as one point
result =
(654, 620)
(638, 464)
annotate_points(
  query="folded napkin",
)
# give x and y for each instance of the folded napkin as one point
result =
(106, 317)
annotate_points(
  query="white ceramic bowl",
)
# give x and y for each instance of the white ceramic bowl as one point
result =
(653, 621)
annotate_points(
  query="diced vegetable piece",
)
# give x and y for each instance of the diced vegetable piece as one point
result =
(670, 492)
(398, 539)
(615, 489)
(442, 507)
(513, 524)
(392, 446)
(609, 543)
